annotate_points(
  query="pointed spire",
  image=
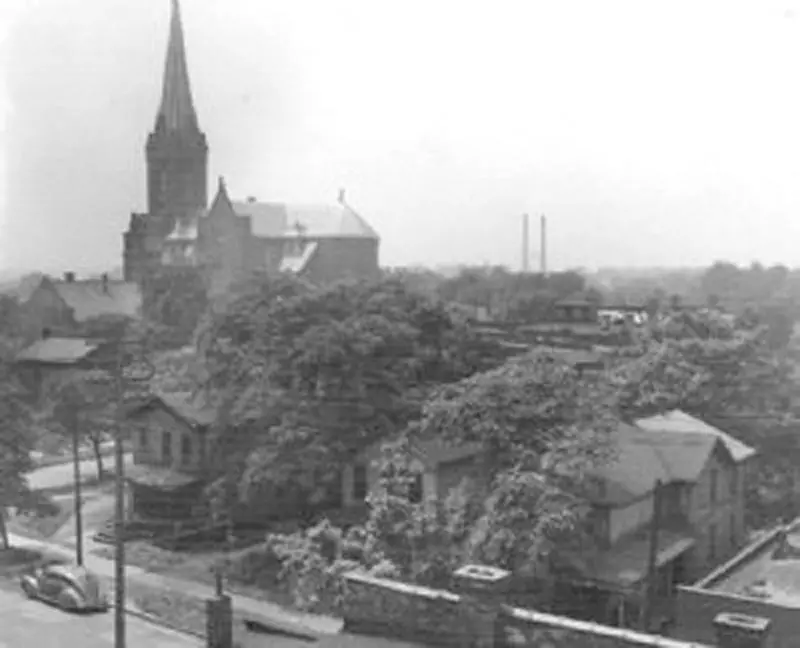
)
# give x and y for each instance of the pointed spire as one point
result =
(176, 112)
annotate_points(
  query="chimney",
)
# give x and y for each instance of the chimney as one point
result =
(483, 593)
(741, 630)
(104, 279)
(69, 277)
(341, 196)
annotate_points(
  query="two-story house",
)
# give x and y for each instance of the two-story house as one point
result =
(695, 475)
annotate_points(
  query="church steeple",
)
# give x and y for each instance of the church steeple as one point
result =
(176, 112)
(177, 152)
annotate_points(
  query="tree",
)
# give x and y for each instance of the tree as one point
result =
(536, 404)
(705, 363)
(307, 376)
(16, 443)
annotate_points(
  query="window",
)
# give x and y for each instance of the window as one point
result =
(143, 439)
(186, 448)
(734, 532)
(166, 446)
(713, 486)
(712, 542)
(734, 481)
(415, 491)
(359, 481)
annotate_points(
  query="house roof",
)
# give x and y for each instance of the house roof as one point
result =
(278, 220)
(96, 297)
(679, 422)
(643, 457)
(56, 350)
(192, 409)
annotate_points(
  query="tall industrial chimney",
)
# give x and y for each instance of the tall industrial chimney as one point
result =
(543, 243)
(526, 242)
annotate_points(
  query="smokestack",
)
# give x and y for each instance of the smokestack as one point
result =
(543, 243)
(526, 237)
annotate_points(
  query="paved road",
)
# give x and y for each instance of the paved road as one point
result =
(61, 474)
(30, 623)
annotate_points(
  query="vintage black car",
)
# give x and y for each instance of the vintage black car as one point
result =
(70, 587)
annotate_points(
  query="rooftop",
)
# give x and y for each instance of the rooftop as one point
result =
(55, 350)
(767, 570)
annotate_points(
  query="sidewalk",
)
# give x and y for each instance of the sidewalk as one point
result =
(260, 612)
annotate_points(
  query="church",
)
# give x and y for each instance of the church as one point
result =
(232, 238)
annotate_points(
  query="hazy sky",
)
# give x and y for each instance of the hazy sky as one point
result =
(651, 133)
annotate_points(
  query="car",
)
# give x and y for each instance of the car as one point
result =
(70, 587)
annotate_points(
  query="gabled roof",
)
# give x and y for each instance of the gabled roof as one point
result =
(278, 220)
(55, 350)
(678, 422)
(644, 457)
(191, 409)
(90, 298)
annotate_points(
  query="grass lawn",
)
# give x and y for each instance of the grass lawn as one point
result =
(45, 520)
(197, 567)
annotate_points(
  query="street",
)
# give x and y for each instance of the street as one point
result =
(61, 474)
(31, 623)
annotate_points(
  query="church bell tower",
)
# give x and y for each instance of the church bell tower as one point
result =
(177, 152)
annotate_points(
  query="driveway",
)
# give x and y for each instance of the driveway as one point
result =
(60, 475)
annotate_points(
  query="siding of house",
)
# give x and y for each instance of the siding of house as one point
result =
(717, 517)
(630, 518)
(148, 440)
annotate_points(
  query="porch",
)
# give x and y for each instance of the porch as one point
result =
(610, 587)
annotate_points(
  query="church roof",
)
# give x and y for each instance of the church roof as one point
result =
(176, 112)
(276, 220)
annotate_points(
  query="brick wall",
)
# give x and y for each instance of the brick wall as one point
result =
(389, 608)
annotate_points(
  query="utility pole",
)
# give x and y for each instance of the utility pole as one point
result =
(651, 579)
(76, 470)
(526, 254)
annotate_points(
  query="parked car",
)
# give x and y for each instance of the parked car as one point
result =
(70, 587)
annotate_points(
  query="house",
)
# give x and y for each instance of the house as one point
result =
(50, 361)
(62, 306)
(697, 472)
(170, 458)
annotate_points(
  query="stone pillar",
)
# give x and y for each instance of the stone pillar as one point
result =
(741, 630)
(483, 592)
(219, 622)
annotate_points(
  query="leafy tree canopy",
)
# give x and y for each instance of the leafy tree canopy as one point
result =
(315, 374)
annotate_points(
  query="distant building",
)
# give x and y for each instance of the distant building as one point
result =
(63, 305)
(231, 239)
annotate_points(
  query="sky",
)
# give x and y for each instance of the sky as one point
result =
(651, 133)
